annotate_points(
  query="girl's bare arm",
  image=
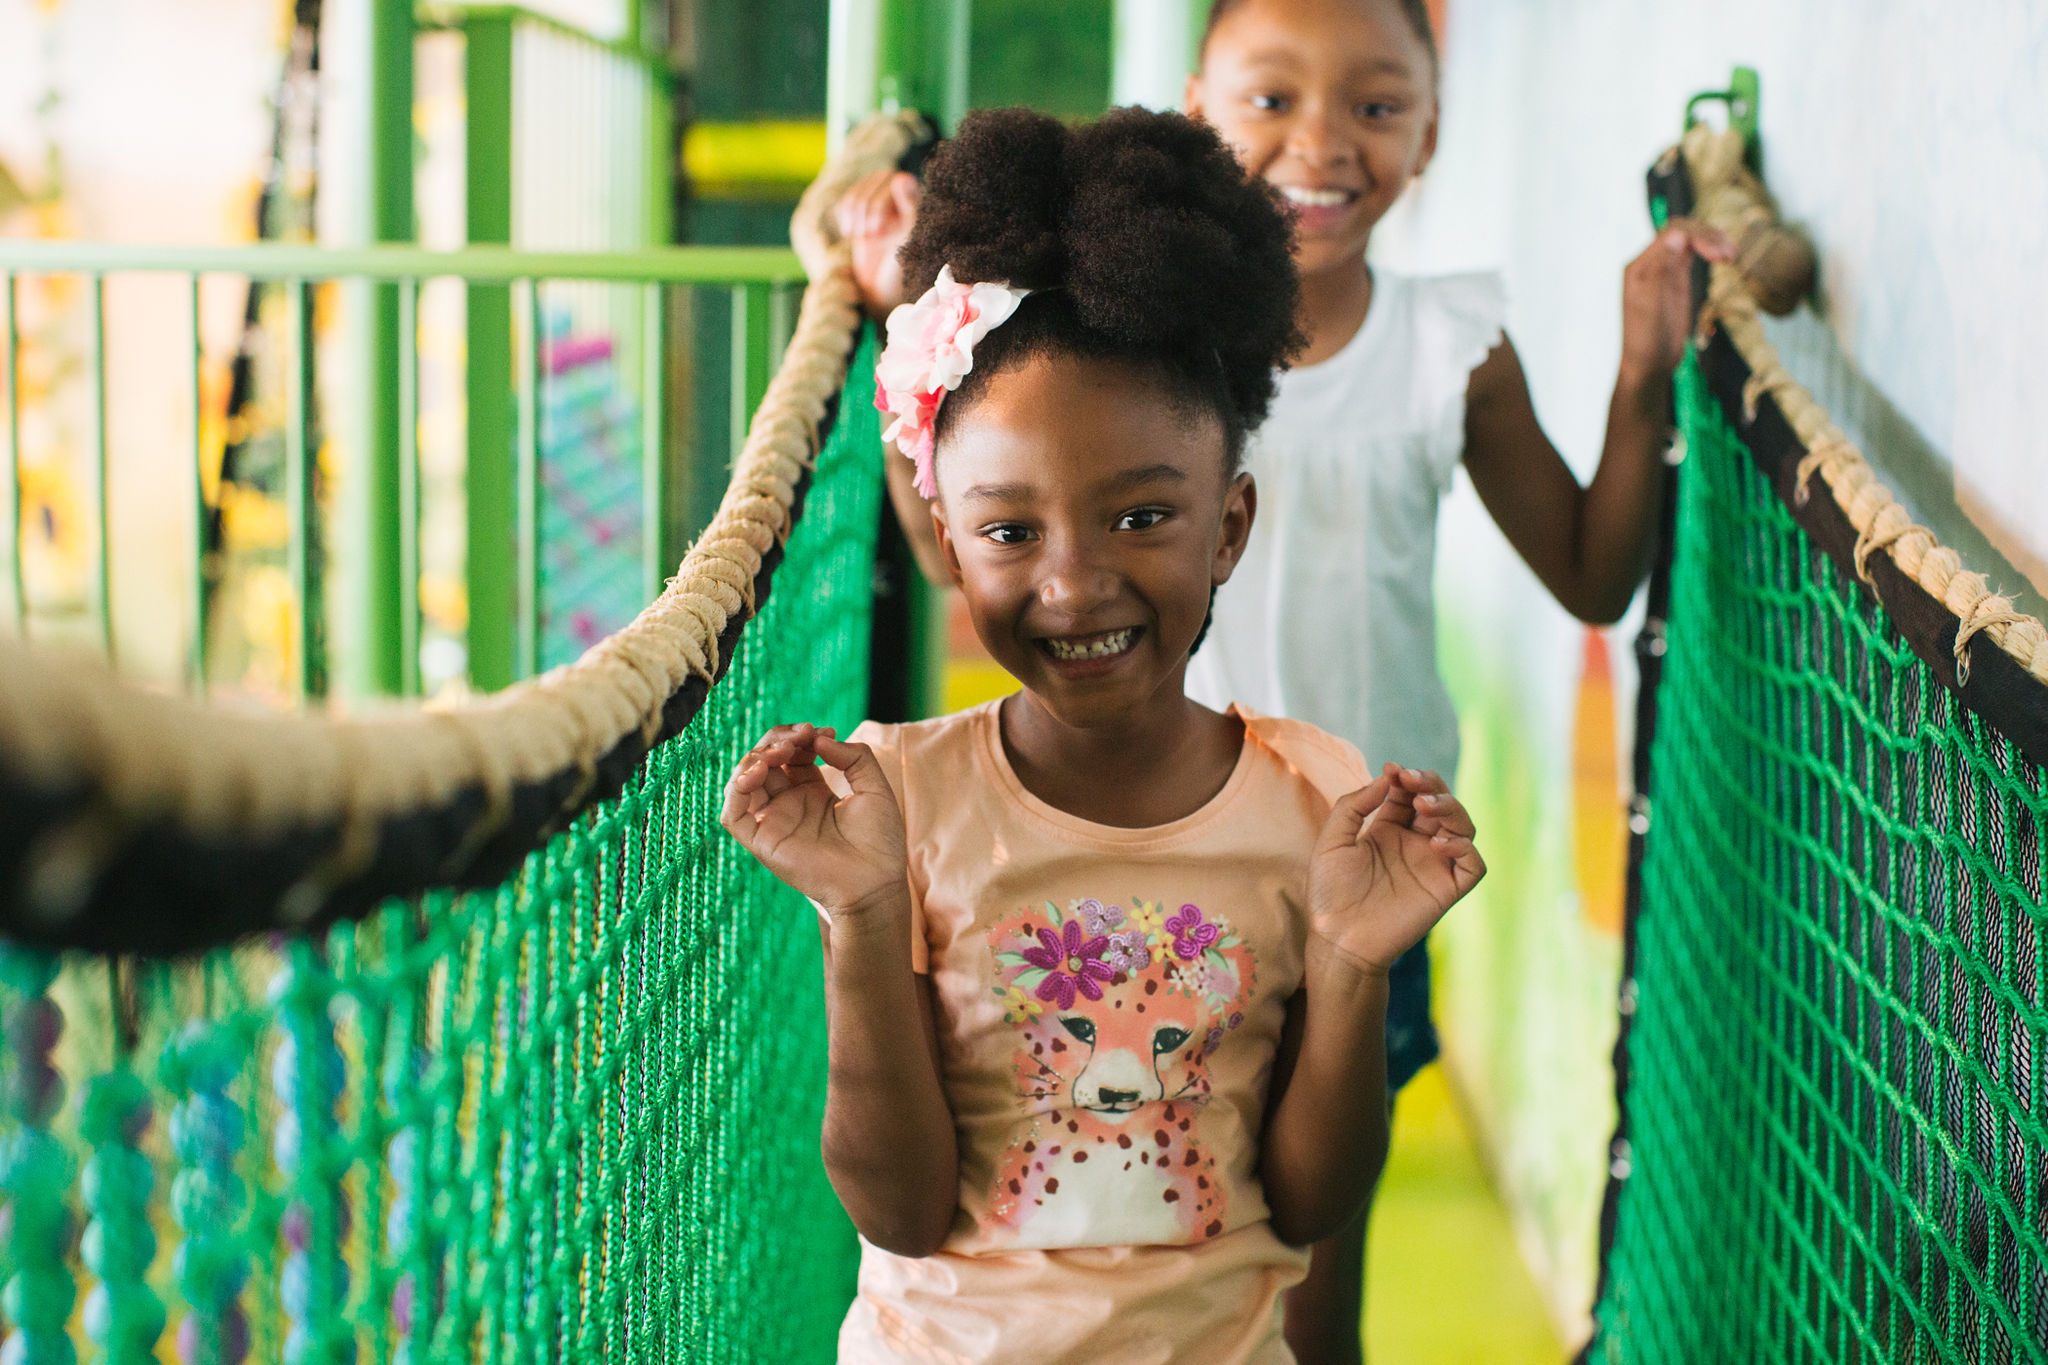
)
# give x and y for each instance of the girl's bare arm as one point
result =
(1591, 546)
(890, 1146)
(1393, 857)
(914, 515)
(889, 1142)
(1326, 1138)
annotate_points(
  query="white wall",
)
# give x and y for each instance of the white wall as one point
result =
(1910, 139)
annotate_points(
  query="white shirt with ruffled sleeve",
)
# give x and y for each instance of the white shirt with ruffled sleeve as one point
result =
(1331, 616)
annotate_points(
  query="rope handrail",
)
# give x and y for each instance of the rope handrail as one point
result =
(222, 823)
(1731, 198)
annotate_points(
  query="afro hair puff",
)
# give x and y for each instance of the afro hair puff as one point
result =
(1147, 242)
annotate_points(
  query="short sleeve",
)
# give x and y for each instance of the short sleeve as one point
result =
(1458, 322)
(887, 743)
(1334, 767)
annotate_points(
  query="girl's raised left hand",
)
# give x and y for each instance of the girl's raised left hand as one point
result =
(1656, 298)
(1392, 858)
(847, 852)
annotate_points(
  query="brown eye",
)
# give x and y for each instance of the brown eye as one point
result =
(1140, 519)
(1007, 534)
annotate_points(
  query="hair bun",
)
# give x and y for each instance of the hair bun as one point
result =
(1149, 237)
(993, 203)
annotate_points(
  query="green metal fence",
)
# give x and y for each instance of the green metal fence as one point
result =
(502, 294)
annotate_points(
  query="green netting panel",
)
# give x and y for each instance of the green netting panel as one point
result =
(572, 1119)
(1836, 1141)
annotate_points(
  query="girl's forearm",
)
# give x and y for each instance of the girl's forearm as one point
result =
(889, 1143)
(1617, 512)
(1327, 1138)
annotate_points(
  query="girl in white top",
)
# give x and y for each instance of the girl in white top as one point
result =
(1330, 616)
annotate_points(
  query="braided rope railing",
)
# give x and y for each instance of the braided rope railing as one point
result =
(134, 821)
(1732, 199)
(1832, 1142)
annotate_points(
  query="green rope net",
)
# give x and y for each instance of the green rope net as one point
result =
(574, 1118)
(1836, 1136)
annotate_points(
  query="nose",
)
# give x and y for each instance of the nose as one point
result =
(1313, 137)
(1076, 581)
(1117, 1096)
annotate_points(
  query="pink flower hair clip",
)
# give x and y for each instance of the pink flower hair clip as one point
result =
(930, 350)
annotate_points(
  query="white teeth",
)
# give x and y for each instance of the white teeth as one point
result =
(1092, 646)
(1316, 199)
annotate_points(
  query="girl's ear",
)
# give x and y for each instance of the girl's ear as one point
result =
(1240, 507)
(946, 549)
(1191, 96)
(1428, 152)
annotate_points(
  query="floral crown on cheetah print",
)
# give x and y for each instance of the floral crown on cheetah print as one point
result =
(930, 350)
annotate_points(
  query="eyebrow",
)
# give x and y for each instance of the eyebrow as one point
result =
(1121, 483)
(1144, 474)
(998, 492)
(1281, 59)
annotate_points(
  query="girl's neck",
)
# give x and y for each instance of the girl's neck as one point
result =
(1151, 767)
(1334, 303)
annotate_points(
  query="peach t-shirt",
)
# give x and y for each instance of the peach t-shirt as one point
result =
(1109, 1004)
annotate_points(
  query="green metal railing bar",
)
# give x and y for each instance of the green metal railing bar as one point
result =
(465, 18)
(480, 264)
(503, 373)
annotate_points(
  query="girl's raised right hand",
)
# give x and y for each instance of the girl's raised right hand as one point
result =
(847, 853)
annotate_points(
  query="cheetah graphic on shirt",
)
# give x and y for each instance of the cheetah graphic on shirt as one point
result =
(1117, 1013)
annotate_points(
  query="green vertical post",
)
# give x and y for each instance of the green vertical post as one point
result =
(657, 557)
(752, 366)
(526, 382)
(922, 56)
(301, 510)
(409, 488)
(492, 571)
(369, 494)
(922, 61)
(96, 416)
(664, 149)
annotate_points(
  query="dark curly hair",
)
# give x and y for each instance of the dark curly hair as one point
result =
(1145, 240)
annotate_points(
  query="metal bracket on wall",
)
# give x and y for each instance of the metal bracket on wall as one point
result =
(1740, 98)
